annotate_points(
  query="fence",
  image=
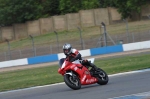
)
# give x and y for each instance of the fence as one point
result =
(80, 39)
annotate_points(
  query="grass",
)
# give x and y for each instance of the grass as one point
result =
(49, 75)
(67, 36)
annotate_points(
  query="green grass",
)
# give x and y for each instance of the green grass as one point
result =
(49, 75)
(29, 78)
(127, 63)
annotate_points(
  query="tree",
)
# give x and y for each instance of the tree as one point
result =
(71, 6)
(90, 4)
(50, 7)
(125, 7)
(19, 11)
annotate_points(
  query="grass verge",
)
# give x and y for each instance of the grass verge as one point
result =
(48, 75)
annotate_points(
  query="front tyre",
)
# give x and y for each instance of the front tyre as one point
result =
(72, 81)
(102, 77)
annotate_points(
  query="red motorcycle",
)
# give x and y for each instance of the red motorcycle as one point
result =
(75, 74)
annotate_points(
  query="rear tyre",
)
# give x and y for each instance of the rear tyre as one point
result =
(72, 82)
(102, 77)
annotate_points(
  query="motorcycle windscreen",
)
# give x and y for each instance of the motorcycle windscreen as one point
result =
(64, 64)
(76, 62)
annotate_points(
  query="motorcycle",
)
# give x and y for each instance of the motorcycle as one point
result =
(75, 74)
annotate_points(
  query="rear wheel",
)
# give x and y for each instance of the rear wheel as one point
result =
(72, 81)
(102, 77)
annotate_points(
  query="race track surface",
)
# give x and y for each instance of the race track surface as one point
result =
(119, 85)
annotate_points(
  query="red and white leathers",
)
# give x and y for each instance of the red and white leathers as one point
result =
(74, 55)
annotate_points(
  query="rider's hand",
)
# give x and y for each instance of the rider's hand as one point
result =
(73, 59)
(85, 62)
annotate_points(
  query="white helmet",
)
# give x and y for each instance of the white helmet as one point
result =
(67, 48)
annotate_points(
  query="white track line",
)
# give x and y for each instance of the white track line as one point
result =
(144, 95)
(131, 72)
(63, 82)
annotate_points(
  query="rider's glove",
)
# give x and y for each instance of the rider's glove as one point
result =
(73, 59)
(85, 62)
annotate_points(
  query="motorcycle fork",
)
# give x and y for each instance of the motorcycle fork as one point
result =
(72, 74)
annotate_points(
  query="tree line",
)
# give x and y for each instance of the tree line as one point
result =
(20, 11)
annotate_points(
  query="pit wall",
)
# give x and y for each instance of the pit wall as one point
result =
(85, 53)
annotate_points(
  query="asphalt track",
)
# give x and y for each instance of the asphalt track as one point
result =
(119, 85)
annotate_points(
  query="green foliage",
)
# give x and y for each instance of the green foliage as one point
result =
(136, 4)
(125, 7)
(87, 4)
(50, 7)
(20, 11)
(71, 6)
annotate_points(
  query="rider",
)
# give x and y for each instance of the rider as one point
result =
(73, 54)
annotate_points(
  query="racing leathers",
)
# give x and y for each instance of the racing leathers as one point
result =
(75, 55)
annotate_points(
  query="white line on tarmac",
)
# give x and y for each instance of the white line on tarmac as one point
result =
(144, 70)
(131, 72)
(31, 88)
(144, 95)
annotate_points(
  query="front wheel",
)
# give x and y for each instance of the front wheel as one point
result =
(72, 81)
(102, 77)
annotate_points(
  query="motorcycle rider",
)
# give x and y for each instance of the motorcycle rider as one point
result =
(72, 55)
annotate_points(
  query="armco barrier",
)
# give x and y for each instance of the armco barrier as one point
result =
(14, 63)
(43, 59)
(136, 46)
(87, 52)
(106, 50)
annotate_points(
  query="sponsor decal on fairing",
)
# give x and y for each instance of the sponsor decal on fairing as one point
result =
(83, 78)
(90, 80)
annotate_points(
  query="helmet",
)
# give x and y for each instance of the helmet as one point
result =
(67, 48)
